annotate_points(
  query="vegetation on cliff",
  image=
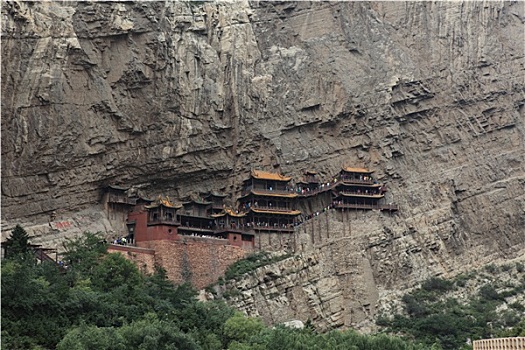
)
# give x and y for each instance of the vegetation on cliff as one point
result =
(102, 301)
(440, 310)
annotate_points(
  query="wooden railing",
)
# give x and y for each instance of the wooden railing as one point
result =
(272, 229)
(352, 193)
(356, 181)
(515, 343)
(272, 208)
(390, 207)
(268, 191)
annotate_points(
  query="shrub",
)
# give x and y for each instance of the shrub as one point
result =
(250, 263)
(519, 267)
(436, 284)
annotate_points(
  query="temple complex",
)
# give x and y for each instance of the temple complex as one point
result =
(269, 203)
(309, 184)
(268, 200)
(357, 189)
(266, 216)
(216, 200)
(233, 227)
(152, 220)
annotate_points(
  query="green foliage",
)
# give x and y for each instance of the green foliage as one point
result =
(436, 284)
(103, 302)
(115, 271)
(146, 334)
(83, 253)
(431, 317)
(239, 328)
(519, 267)
(250, 263)
(282, 338)
(17, 245)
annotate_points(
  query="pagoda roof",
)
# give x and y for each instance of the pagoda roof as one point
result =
(229, 212)
(277, 212)
(361, 195)
(357, 170)
(303, 181)
(271, 194)
(349, 183)
(144, 199)
(165, 202)
(215, 194)
(118, 188)
(196, 202)
(265, 175)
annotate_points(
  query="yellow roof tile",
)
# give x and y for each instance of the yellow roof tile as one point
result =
(362, 195)
(283, 212)
(276, 194)
(264, 175)
(163, 201)
(357, 170)
(234, 214)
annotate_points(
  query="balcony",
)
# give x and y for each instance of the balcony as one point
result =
(259, 229)
(361, 194)
(353, 180)
(388, 207)
(264, 190)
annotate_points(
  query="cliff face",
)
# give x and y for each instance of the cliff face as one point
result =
(182, 97)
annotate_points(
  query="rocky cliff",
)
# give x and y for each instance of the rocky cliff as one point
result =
(181, 97)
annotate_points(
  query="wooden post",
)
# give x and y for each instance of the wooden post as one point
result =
(327, 225)
(320, 229)
(313, 231)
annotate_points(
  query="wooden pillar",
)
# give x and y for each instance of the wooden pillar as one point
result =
(343, 219)
(294, 239)
(312, 235)
(327, 225)
(280, 234)
(319, 220)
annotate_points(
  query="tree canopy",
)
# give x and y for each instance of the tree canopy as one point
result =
(102, 301)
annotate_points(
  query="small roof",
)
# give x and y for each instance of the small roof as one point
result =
(357, 170)
(288, 212)
(265, 175)
(234, 214)
(271, 194)
(310, 172)
(119, 188)
(163, 202)
(144, 199)
(215, 194)
(196, 202)
(229, 212)
(361, 195)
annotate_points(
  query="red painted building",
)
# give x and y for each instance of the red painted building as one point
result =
(151, 221)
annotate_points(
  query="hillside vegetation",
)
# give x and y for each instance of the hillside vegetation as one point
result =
(102, 301)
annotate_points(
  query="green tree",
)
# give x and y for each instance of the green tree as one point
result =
(17, 245)
(115, 271)
(147, 334)
(83, 253)
(91, 337)
(240, 328)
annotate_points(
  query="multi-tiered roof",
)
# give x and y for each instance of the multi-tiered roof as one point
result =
(357, 189)
(268, 200)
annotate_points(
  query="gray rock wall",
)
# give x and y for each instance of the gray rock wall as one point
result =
(181, 97)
